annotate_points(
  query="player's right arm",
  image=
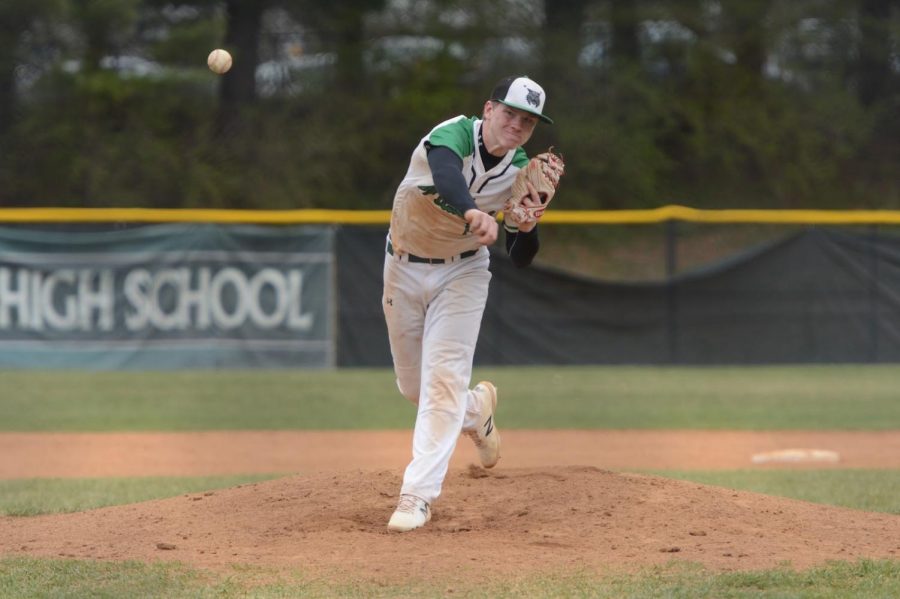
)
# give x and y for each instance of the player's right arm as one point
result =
(446, 170)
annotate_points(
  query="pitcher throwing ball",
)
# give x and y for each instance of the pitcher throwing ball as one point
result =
(436, 275)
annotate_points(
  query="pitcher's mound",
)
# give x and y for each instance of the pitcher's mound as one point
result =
(487, 524)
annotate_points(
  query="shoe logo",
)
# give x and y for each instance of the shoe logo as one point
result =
(424, 509)
(489, 425)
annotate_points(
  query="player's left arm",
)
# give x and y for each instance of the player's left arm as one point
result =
(522, 246)
(522, 242)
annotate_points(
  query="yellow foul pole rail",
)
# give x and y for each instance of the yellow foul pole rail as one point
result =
(192, 215)
(382, 217)
(683, 213)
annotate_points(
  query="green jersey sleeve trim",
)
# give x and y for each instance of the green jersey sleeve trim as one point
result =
(520, 158)
(456, 135)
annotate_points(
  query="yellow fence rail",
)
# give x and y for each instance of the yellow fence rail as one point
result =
(379, 217)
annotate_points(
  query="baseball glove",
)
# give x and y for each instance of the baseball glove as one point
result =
(543, 172)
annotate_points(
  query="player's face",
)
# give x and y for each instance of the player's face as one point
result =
(506, 128)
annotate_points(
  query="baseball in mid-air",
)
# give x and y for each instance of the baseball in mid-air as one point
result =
(219, 61)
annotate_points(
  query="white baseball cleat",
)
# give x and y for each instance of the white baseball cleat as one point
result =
(486, 436)
(411, 513)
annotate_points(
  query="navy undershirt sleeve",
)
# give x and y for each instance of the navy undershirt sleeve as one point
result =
(522, 247)
(446, 170)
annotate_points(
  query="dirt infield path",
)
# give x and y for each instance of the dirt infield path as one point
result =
(79, 455)
(553, 504)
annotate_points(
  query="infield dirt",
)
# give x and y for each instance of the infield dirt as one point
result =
(515, 520)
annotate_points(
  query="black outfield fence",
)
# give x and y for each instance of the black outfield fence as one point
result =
(826, 293)
(818, 296)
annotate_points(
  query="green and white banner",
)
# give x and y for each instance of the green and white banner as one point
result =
(167, 296)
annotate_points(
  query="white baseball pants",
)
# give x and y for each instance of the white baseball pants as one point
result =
(433, 314)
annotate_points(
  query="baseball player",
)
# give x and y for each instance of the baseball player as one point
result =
(436, 278)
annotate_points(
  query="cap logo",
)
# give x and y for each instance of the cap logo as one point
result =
(533, 97)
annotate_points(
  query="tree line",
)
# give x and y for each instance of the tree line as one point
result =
(728, 103)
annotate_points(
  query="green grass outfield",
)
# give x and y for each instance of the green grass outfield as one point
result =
(749, 398)
(76, 579)
(746, 398)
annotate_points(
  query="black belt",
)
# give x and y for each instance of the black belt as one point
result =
(414, 258)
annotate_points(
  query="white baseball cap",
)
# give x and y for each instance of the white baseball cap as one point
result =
(522, 93)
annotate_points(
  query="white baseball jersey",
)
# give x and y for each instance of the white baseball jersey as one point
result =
(422, 223)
